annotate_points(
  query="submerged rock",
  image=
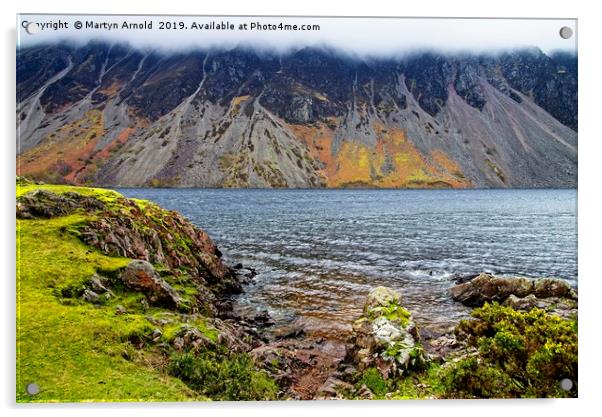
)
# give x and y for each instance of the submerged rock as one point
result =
(385, 336)
(142, 276)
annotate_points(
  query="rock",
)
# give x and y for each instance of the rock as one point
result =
(280, 362)
(90, 296)
(178, 343)
(191, 338)
(441, 347)
(46, 204)
(332, 388)
(548, 287)
(119, 310)
(381, 297)
(245, 274)
(98, 284)
(563, 307)
(385, 336)
(233, 336)
(262, 320)
(155, 235)
(158, 321)
(156, 335)
(365, 393)
(489, 288)
(348, 370)
(302, 366)
(525, 303)
(141, 276)
(464, 277)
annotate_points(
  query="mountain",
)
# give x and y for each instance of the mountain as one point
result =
(113, 115)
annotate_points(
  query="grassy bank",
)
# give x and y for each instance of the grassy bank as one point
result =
(76, 350)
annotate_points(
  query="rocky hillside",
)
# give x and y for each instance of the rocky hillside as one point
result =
(112, 115)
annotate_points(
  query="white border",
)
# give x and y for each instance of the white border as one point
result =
(590, 154)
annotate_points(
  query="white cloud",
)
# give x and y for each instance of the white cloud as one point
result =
(374, 36)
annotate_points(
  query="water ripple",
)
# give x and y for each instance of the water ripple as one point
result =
(320, 251)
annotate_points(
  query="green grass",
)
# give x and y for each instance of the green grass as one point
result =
(76, 351)
(372, 379)
(100, 193)
(421, 385)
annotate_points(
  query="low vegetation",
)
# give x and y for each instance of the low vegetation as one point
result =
(508, 354)
(518, 354)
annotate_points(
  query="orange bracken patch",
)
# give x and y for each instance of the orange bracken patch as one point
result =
(65, 151)
(70, 153)
(394, 162)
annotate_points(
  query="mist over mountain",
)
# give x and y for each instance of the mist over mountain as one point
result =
(110, 114)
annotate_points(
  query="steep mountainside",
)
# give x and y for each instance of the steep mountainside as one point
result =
(113, 115)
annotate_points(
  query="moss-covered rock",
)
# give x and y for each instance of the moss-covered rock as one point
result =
(46, 204)
(385, 337)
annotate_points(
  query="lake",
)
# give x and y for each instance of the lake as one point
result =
(318, 252)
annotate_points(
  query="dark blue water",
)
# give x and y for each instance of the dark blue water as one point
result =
(320, 251)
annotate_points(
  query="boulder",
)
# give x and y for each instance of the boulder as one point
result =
(97, 290)
(385, 336)
(489, 288)
(141, 276)
(548, 287)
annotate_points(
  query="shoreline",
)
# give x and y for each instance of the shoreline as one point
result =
(170, 277)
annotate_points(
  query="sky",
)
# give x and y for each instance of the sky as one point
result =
(364, 36)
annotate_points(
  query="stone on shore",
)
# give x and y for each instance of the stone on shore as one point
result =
(386, 337)
(488, 288)
(141, 276)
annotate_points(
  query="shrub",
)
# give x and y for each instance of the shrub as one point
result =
(221, 377)
(518, 354)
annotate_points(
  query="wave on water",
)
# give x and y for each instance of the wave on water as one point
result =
(318, 252)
